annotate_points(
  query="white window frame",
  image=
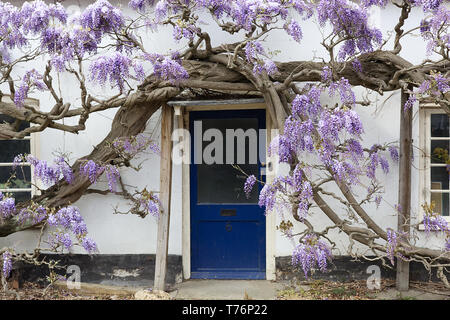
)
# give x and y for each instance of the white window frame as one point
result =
(34, 151)
(425, 112)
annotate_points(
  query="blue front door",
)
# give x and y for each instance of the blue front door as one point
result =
(227, 227)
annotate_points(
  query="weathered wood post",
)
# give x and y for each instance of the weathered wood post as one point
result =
(404, 185)
(165, 195)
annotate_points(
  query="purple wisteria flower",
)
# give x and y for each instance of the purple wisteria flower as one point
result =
(92, 170)
(345, 91)
(378, 199)
(60, 239)
(187, 32)
(89, 245)
(327, 74)
(384, 164)
(368, 3)
(10, 28)
(115, 69)
(135, 144)
(308, 104)
(267, 197)
(112, 175)
(434, 27)
(102, 17)
(393, 151)
(65, 169)
(167, 68)
(140, 5)
(435, 222)
(376, 160)
(265, 65)
(428, 5)
(435, 87)
(294, 30)
(33, 214)
(281, 146)
(356, 64)
(311, 252)
(69, 224)
(252, 50)
(442, 83)
(255, 55)
(49, 174)
(355, 150)
(31, 79)
(424, 88)
(161, 10)
(152, 207)
(69, 218)
(349, 21)
(392, 242)
(248, 186)
(6, 264)
(38, 15)
(150, 203)
(7, 207)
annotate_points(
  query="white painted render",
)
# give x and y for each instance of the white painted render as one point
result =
(128, 234)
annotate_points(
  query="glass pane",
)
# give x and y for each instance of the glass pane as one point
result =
(221, 182)
(11, 148)
(439, 178)
(22, 178)
(439, 151)
(439, 125)
(7, 119)
(21, 196)
(441, 203)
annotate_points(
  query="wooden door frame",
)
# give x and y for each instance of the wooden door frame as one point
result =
(182, 109)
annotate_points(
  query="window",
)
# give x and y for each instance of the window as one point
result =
(17, 182)
(435, 143)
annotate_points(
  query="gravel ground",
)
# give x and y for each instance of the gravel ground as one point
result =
(302, 290)
(357, 290)
(32, 291)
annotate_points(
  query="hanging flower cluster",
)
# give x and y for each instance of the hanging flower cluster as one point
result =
(93, 171)
(310, 253)
(248, 186)
(350, 22)
(48, 174)
(7, 206)
(435, 87)
(6, 264)
(433, 221)
(392, 243)
(116, 69)
(167, 67)
(34, 213)
(69, 224)
(31, 79)
(149, 203)
(131, 146)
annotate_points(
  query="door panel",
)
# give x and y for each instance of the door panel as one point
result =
(227, 228)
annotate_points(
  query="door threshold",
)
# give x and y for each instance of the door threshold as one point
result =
(230, 275)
